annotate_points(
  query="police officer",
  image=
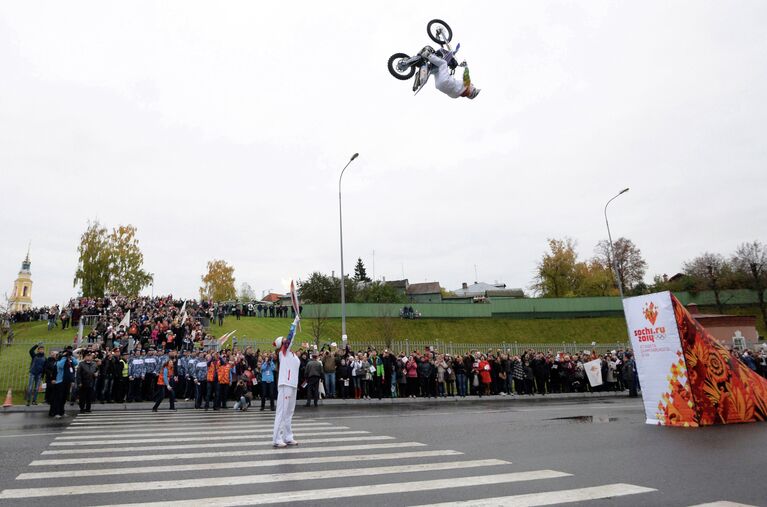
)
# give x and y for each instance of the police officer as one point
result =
(200, 379)
(136, 372)
(191, 366)
(151, 368)
(183, 361)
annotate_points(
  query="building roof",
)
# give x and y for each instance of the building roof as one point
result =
(399, 284)
(505, 293)
(478, 289)
(272, 297)
(424, 288)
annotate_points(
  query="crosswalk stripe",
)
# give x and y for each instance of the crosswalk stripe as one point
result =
(161, 416)
(142, 411)
(204, 430)
(175, 424)
(722, 503)
(257, 433)
(550, 497)
(243, 479)
(316, 495)
(166, 420)
(352, 447)
(238, 464)
(183, 436)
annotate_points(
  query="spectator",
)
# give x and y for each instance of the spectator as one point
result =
(86, 382)
(312, 376)
(329, 370)
(36, 371)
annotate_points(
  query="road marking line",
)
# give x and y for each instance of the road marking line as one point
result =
(165, 420)
(155, 416)
(205, 430)
(225, 454)
(201, 482)
(236, 464)
(25, 435)
(722, 503)
(315, 495)
(207, 438)
(90, 439)
(550, 497)
(175, 424)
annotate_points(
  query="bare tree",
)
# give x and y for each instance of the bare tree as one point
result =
(750, 260)
(710, 271)
(629, 263)
(319, 319)
(386, 325)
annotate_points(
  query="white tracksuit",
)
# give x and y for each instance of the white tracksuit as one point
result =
(287, 391)
(444, 82)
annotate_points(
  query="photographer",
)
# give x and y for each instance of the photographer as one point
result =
(65, 376)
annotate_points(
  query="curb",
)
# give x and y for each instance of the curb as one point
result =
(189, 405)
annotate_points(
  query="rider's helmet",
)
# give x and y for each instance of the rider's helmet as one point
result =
(448, 57)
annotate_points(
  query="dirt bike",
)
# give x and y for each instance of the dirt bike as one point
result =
(403, 67)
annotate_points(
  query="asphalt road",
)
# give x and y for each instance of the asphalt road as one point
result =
(515, 452)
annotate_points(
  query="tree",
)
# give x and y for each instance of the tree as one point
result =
(317, 289)
(596, 279)
(557, 274)
(386, 325)
(379, 292)
(110, 262)
(750, 262)
(710, 271)
(319, 320)
(218, 282)
(247, 293)
(360, 273)
(126, 275)
(629, 263)
(93, 266)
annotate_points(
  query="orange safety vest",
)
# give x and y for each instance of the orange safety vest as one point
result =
(212, 370)
(168, 366)
(223, 373)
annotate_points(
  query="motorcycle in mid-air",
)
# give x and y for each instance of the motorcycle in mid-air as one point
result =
(403, 67)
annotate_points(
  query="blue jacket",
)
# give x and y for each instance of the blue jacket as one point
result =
(60, 365)
(201, 370)
(37, 365)
(267, 371)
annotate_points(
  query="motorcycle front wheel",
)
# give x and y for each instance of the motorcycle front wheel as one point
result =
(403, 75)
(436, 24)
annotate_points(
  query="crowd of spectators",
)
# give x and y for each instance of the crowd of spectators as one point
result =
(212, 379)
(165, 350)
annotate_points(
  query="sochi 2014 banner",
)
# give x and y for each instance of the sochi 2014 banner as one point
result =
(687, 377)
(658, 354)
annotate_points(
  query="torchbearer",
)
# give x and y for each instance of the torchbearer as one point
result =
(287, 389)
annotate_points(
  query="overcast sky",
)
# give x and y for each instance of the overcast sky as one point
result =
(219, 130)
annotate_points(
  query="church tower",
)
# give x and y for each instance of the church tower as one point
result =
(22, 288)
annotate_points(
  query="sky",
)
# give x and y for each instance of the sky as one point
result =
(220, 129)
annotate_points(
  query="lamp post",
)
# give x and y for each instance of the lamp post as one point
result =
(612, 250)
(341, 229)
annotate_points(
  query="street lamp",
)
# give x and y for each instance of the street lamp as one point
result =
(341, 229)
(610, 238)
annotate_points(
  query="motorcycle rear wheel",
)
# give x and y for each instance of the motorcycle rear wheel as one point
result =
(393, 60)
(431, 29)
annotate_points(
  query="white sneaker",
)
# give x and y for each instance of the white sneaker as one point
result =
(280, 445)
(291, 443)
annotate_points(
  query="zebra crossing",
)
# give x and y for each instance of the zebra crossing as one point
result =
(226, 459)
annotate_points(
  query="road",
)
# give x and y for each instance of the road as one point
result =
(515, 452)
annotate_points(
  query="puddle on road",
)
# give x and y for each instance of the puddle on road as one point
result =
(593, 419)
